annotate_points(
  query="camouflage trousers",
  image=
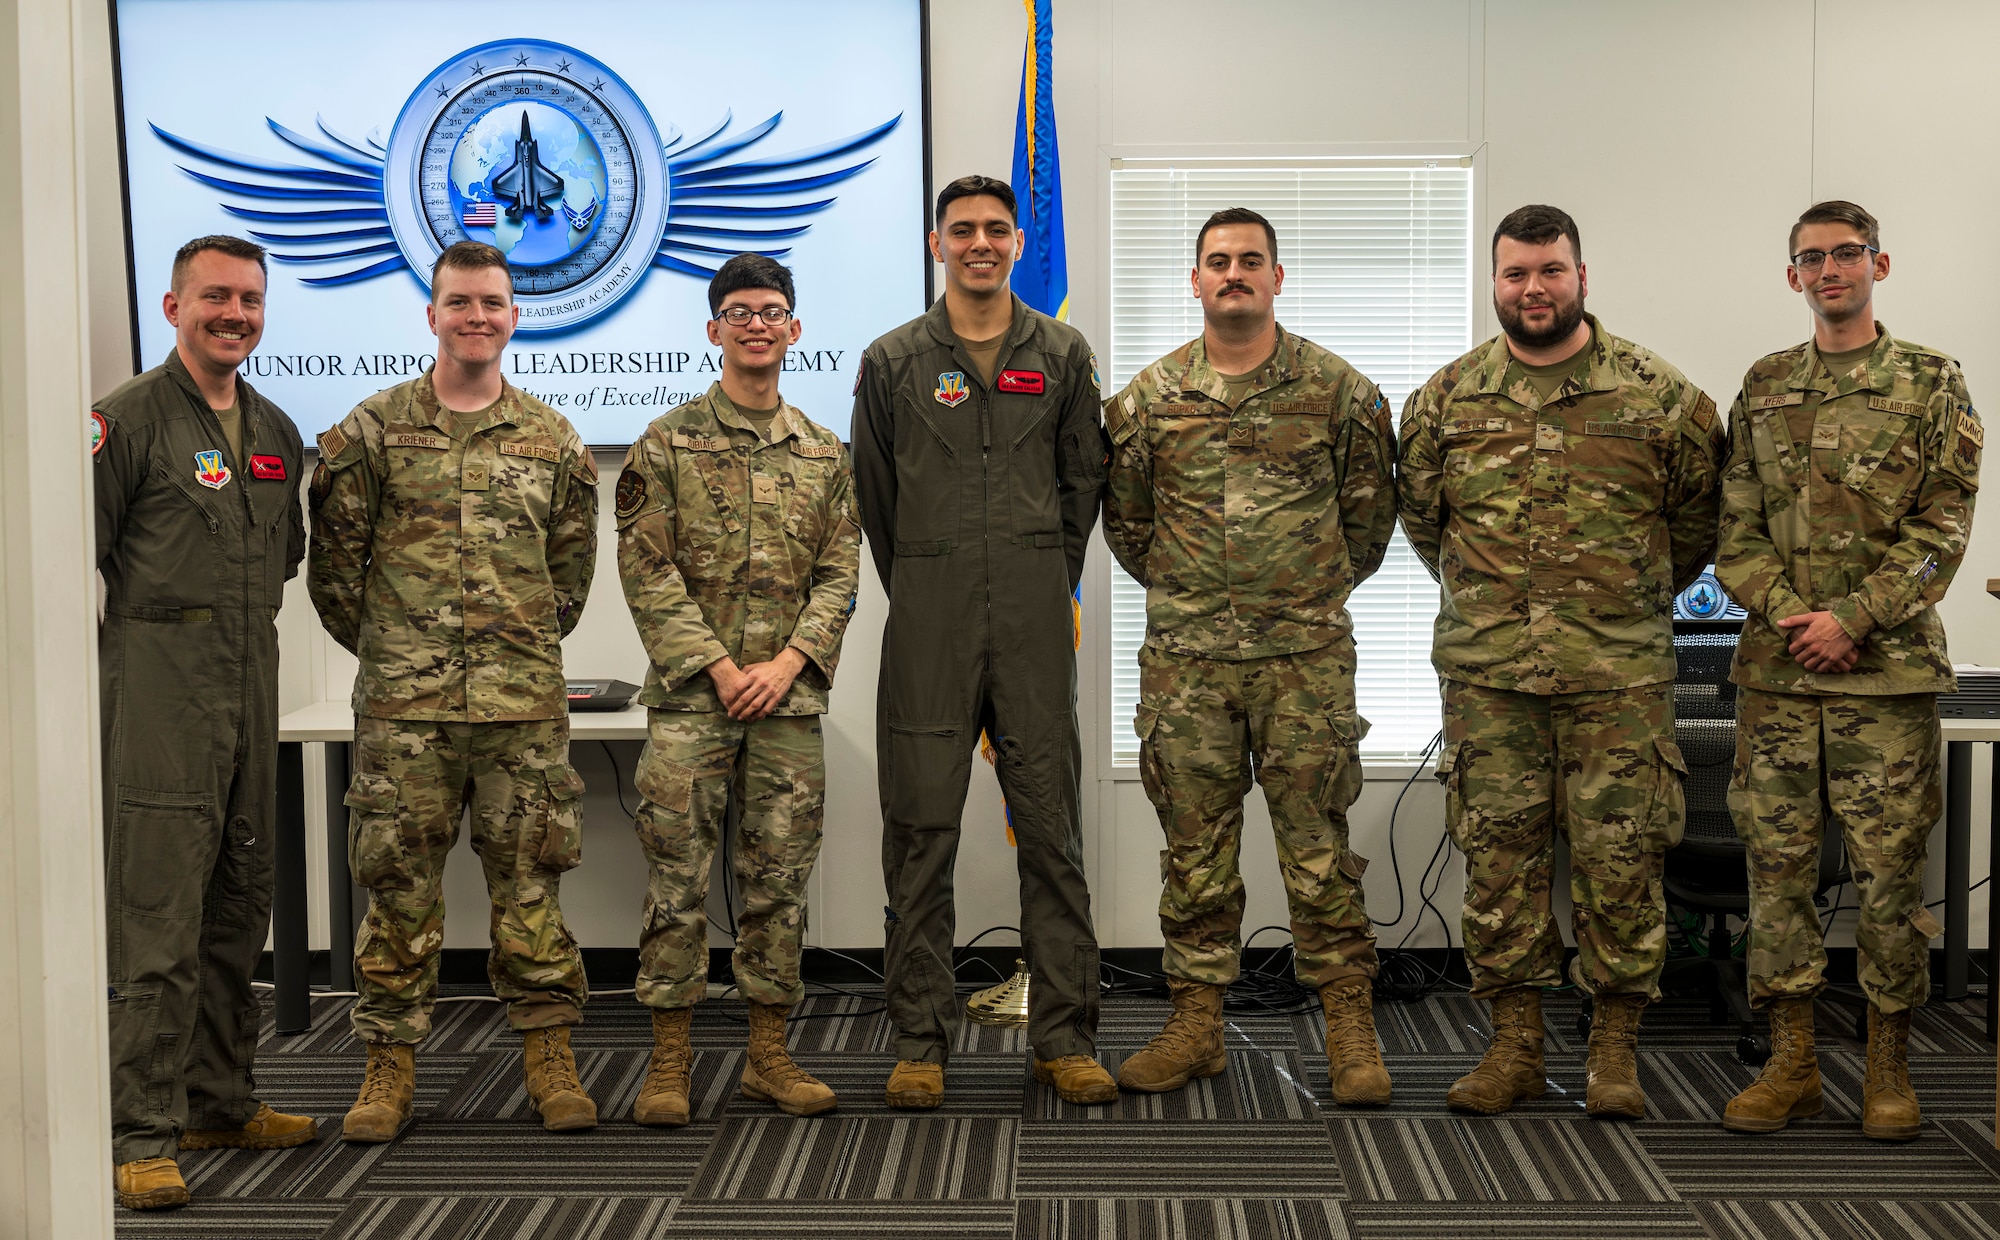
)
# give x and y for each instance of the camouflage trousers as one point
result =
(694, 765)
(1205, 725)
(413, 781)
(1870, 765)
(1603, 769)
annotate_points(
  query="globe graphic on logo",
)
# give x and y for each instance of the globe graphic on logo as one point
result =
(527, 178)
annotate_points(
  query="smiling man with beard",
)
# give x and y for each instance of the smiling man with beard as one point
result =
(1562, 485)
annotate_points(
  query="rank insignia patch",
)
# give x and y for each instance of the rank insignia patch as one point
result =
(267, 468)
(631, 494)
(951, 389)
(210, 471)
(1028, 381)
(100, 430)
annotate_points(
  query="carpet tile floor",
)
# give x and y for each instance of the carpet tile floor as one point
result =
(1259, 1153)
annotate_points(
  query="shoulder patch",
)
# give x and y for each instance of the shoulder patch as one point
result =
(586, 466)
(331, 443)
(100, 430)
(860, 369)
(1908, 407)
(631, 493)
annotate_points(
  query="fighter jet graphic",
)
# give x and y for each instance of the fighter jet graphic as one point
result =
(525, 185)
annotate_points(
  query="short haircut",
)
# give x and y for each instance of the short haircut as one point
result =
(1236, 215)
(234, 247)
(1836, 211)
(973, 186)
(750, 271)
(470, 256)
(1537, 224)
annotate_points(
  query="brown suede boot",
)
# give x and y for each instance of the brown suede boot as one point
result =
(553, 1087)
(387, 1091)
(1611, 1075)
(769, 1075)
(1354, 1067)
(267, 1130)
(1187, 1046)
(1889, 1110)
(1077, 1079)
(915, 1085)
(149, 1184)
(1789, 1086)
(663, 1099)
(1511, 1069)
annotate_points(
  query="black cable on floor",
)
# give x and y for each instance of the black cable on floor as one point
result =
(1395, 866)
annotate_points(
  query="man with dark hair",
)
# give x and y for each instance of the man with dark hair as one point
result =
(454, 534)
(740, 553)
(1248, 666)
(198, 529)
(1562, 484)
(1846, 505)
(978, 458)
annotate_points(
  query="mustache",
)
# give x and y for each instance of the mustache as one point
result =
(1232, 288)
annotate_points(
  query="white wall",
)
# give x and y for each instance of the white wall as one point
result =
(1683, 136)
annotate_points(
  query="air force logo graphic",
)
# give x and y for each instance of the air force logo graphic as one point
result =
(540, 150)
(951, 388)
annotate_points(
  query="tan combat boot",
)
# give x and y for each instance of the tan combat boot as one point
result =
(769, 1075)
(1187, 1046)
(1889, 1110)
(553, 1087)
(149, 1184)
(1611, 1075)
(1511, 1069)
(915, 1085)
(1354, 1067)
(267, 1130)
(1079, 1079)
(663, 1099)
(1789, 1087)
(387, 1094)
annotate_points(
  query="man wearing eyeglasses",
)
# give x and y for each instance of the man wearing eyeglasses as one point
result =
(1847, 502)
(739, 550)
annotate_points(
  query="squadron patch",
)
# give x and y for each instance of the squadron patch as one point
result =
(1971, 438)
(951, 390)
(860, 368)
(322, 482)
(210, 471)
(1030, 382)
(631, 493)
(100, 430)
(267, 468)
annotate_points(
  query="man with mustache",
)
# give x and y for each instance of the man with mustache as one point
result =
(1251, 490)
(454, 534)
(198, 529)
(1562, 484)
(1846, 506)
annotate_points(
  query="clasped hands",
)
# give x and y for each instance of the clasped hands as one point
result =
(1819, 644)
(750, 693)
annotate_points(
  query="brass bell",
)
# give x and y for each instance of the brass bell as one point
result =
(1004, 1004)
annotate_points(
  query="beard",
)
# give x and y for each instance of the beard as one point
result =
(1567, 316)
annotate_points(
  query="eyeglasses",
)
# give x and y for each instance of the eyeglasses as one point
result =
(1843, 256)
(737, 316)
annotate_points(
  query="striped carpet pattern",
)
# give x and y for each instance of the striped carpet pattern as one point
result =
(1258, 1153)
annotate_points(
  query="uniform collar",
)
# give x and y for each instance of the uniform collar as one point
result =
(1498, 371)
(724, 410)
(1199, 375)
(247, 399)
(938, 321)
(1876, 374)
(426, 410)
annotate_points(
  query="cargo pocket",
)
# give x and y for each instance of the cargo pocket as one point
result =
(1912, 793)
(1145, 724)
(809, 797)
(1451, 777)
(1341, 785)
(562, 820)
(668, 785)
(375, 855)
(1666, 819)
(160, 836)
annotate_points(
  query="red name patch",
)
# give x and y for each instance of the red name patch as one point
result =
(270, 468)
(1029, 381)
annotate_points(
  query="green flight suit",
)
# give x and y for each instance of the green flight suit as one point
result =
(977, 501)
(195, 550)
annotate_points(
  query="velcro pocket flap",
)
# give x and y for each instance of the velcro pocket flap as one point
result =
(564, 783)
(924, 548)
(1670, 753)
(371, 793)
(1448, 759)
(666, 784)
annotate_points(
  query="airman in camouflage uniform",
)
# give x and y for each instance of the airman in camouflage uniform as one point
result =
(740, 554)
(452, 550)
(1847, 502)
(1250, 507)
(1561, 512)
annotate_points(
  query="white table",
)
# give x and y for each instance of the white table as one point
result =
(332, 724)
